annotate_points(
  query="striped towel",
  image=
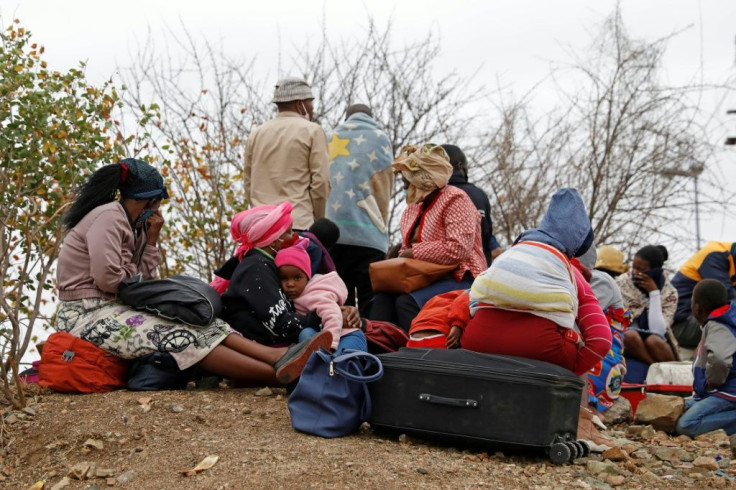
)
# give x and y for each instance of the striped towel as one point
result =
(530, 277)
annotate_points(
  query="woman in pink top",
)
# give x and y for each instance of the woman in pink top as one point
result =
(321, 294)
(111, 240)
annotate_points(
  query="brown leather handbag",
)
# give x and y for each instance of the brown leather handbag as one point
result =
(403, 275)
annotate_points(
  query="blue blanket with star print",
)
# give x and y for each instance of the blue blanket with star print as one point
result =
(360, 154)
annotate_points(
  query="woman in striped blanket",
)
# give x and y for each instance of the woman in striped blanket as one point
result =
(533, 303)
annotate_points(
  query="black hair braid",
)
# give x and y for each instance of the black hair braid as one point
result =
(100, 188)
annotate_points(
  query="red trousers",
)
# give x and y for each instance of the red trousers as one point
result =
(513, 333)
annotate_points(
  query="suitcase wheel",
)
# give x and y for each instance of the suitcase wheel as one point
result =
(585, 448)
(560, 453)
(575, 450)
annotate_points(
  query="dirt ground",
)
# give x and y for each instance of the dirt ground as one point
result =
(146, 440)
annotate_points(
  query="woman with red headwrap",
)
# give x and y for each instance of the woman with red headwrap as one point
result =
(253, 301)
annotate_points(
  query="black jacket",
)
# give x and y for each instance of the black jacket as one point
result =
(480, 199)
(255, 305)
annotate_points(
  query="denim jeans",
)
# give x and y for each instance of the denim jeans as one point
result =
(307, 333)
(706, 415)
(354, 340)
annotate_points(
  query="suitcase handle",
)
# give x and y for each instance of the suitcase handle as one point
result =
(453, 402)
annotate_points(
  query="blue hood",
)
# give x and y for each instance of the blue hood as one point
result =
(565, 225)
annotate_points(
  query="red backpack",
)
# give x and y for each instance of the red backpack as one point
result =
(73, 365)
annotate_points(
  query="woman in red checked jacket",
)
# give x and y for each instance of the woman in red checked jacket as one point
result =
(439, 225)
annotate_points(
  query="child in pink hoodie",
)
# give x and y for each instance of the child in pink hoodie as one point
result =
(322, 294)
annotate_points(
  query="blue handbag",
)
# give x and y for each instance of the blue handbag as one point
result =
(331, 398)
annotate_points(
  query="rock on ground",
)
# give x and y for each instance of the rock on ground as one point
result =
(620, 412)
(661, 411)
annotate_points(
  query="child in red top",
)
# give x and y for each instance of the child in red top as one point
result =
(440, 323)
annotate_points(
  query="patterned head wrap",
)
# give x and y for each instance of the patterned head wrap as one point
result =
(139, 180)
(427, 169)
(256, 227)
(260, 226)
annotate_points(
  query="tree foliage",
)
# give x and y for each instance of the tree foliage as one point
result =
(206, 104)
(198, 108)
(54, 128)
(629, 143)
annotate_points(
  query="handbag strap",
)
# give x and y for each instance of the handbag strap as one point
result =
(367, 406)
(337, 362)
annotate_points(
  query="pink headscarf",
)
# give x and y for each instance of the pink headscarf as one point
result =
(260, 226)
(256, 227)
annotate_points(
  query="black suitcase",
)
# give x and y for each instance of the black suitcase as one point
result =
(466, 397)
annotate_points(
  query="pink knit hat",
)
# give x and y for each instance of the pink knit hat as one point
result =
(297, 256)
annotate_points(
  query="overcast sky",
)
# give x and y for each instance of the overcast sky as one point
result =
(513, 39)
(514, 42)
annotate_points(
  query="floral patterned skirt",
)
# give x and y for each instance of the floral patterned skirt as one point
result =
(130, 333)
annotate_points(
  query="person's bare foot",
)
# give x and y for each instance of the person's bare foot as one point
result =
(588, 431)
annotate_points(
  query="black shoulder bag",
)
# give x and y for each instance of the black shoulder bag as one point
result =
(178, 298)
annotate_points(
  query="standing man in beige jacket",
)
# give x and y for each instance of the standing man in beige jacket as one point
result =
(286, 158)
